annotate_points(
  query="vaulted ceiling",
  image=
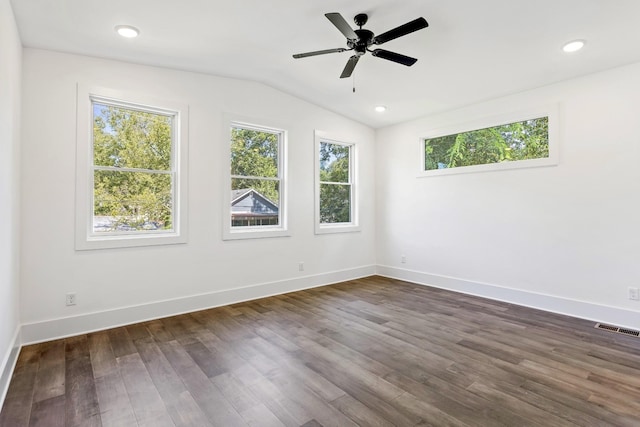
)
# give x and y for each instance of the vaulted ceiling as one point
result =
(472, 51)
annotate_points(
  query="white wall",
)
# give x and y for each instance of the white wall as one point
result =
(114, 279)
(561, 238)
(10, 77)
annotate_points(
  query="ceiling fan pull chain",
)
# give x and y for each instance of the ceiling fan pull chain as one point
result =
(354, 83)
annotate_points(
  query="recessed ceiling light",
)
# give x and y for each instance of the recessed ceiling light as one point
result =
(381, 108)
(573, 46)
(127, 31)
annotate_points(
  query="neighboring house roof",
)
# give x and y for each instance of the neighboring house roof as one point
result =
(248, 201)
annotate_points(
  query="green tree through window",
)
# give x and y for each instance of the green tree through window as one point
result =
(133, 173)
(255, 165)
(528, 139)
(335, 183)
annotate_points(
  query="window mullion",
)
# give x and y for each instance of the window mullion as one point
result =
(139, 170)
(264, 178)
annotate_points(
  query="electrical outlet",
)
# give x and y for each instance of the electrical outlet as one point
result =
(634, 294)
(71, 298)
(301, 266)
(403, 259)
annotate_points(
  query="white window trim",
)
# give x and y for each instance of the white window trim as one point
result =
(85, 238)
(347, 227)
(263, 231)
(550, 111)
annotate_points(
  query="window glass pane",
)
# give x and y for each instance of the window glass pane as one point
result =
(131, 201)
(528, 139)
(335, 203)
(334, 162)
(131, 139)
(254, 153)
(254, 202)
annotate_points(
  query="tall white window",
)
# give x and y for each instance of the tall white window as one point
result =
(256, 204)
(336, 201)
(130, 194)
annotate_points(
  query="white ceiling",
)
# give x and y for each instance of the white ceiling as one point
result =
(472, 51)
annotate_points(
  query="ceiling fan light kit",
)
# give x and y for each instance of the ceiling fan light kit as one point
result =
(360, 41)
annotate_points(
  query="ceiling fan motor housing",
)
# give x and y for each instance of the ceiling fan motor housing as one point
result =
(365, 39)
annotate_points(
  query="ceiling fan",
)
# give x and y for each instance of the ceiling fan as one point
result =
(361, 40)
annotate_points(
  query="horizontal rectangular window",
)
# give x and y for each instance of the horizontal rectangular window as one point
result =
(512, 142)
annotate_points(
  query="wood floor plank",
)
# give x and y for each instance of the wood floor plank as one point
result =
(18, 402)
(602, 414)
(287, 410)
(158, 330)
(115, 406)
(205, 359)
(147, 404)
(372, 352)
(274, 362)
(81, 403)
(358, 412)
(233, 390)
(260, 416)
(460, 403)
(286, 361)
(48, 413)
(121, 342)
(209, 399)
(51, 372)
(181, 406)
(380, 403)
(530, 412)
(548, 406)
(103, 361)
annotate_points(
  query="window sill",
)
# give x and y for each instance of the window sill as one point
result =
(492, 167)
(254, 233)
(129, 241)
(336, 228)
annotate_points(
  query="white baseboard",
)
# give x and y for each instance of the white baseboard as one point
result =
(69, 326)
(9, 364)
(581, 309)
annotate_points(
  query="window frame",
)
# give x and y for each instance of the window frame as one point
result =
(550, 111)
(343, 227)
(229, 232)
(85, 237)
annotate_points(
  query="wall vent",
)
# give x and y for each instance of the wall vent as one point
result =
(617, 329)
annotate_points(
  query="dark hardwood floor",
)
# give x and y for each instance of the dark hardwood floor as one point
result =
(369, 352)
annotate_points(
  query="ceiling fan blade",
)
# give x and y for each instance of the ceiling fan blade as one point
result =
(395, 57)
(319, 52)
(342, 25)
(402, 30)
(351, 64)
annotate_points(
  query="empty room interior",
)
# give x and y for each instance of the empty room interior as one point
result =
(326, 213)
